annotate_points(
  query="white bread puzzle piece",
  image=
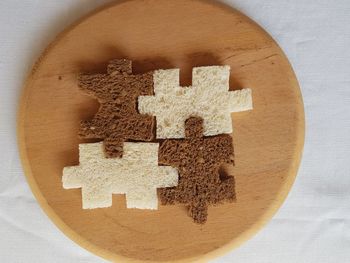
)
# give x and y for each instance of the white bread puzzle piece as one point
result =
(208, 97)
(136, 174)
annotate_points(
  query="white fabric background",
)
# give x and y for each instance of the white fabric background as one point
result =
(314, 223)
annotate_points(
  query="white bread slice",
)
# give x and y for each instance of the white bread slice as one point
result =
(208, 97)
(137, 175)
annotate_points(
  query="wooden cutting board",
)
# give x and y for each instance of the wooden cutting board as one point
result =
(163, 34)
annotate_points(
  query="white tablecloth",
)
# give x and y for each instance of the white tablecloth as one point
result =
(313, 226)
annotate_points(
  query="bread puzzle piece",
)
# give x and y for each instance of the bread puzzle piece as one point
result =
(136, 174)
(208, 97)
(198, 160)
(117, 118)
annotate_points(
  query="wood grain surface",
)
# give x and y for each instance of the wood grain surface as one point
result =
(163, 34)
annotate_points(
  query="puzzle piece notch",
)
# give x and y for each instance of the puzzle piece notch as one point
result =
(117, 119)
(198, 160)
(137, 175)
(209, 98)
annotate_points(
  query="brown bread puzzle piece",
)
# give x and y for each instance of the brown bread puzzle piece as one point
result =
(117, 119)
(198, 160)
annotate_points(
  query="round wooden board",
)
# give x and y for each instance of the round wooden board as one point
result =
(163, 34)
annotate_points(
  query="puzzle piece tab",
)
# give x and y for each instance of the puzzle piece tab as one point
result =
(208, 97)
(198, 160)
(136, 174)
(117, 118)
